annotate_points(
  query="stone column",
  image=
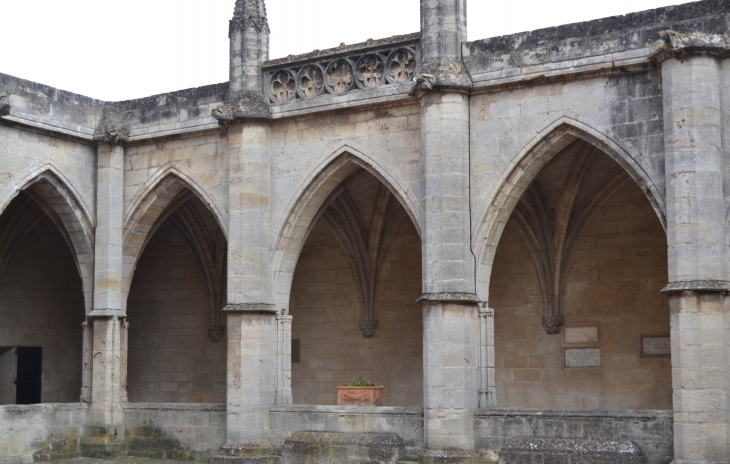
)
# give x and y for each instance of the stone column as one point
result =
(697, 251)
(487, 391)
(451, 322)
(104, 429)
(283, 355)
(87, 361)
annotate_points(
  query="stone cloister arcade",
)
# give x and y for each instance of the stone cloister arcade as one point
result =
(523, 238)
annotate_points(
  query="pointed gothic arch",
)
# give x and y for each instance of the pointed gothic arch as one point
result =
(162, 195)
(307, 205)
(54, 194)
(527, 164)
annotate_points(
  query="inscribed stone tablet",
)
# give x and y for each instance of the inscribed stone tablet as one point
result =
(587, 335)
(582, 357)
(656, 346)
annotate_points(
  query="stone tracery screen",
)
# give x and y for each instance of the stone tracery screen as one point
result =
(341, 70)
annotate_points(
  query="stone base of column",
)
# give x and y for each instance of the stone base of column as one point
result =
(246, 453)
(101, 443)
(449, 457)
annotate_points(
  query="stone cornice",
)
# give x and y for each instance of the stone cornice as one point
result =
(450, 297)
(251, 308)
(699, 286)
(672, 44)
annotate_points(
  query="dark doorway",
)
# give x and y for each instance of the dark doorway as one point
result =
(28, 380)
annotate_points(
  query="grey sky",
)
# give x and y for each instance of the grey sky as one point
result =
(135, 48)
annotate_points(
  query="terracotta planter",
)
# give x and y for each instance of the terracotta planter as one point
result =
(360, 395)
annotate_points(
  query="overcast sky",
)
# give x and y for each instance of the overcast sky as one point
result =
(118, 50)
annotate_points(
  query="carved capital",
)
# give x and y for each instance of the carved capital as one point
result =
(368, 328)
(552, 324)
(673, 44)
(441, 75)
(486, 312)
(4, 104)
(111, 134)
(216, 334)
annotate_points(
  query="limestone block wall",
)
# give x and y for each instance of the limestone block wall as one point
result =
(405, 422)
(171, 358)
(625, 110)
(40, 432)
(651, 430)
(325, 306)
(201, 159)
(175, 431)
(23, 154)
(301, 147)
(613, 280)
(41, 304)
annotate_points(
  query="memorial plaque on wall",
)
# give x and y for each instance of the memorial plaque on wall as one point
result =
(656, 346)
(581, 358)
(587, 335)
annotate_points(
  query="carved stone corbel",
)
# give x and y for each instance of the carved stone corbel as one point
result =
(368, 328)
(112, 134)
(4, 104)
(552, 324)
(246, 106)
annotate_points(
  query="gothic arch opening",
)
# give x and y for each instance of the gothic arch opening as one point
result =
(177, 351)
(353, 296)
(42, 303)
(580, 322)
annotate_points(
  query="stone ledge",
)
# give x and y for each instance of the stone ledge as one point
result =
(217, 407)
(450, 297)
(324, 409)
(588, 413)
(341, 448)
(706, 286)
(251, 308)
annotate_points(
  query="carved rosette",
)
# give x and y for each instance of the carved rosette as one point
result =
(552, 324)
(340, 73)
(369, 71)
(283, 87)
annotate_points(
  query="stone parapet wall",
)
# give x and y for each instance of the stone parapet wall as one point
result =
(174, 431)
(407, 423)
(652, 431)
(40, 432)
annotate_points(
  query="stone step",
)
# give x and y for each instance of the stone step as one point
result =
(570, 451)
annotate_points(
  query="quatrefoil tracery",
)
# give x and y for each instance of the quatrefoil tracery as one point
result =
(340, 75)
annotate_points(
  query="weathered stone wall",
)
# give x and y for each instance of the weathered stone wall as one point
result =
(651, 430)
(405, 422)
(40, 432)
(175, 431)
(171, 358)
(41, 304)
(326, 309)
(612, 279)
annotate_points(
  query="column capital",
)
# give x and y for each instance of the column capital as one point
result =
(4, 104)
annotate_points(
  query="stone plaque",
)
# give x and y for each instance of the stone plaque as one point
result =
(582, 357)
(581, 336)
(656, 346)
